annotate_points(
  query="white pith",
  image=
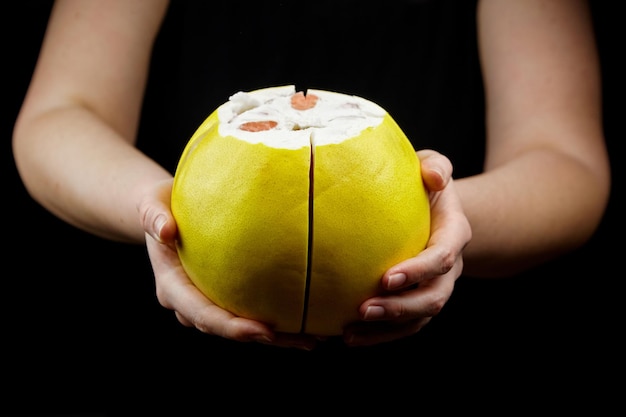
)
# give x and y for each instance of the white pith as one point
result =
(335, 118)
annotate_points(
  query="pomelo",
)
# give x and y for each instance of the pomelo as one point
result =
(290, 207)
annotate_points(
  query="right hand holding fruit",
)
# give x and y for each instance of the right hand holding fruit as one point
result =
(418, 288)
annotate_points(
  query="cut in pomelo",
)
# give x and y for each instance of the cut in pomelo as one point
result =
(290, 207)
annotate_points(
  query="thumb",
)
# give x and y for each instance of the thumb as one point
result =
(436, 169)
(155, 213)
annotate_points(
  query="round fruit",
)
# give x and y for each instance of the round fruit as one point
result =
(290, 207)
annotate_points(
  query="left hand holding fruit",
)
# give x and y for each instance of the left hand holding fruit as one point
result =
(176, 292)
(419, 287)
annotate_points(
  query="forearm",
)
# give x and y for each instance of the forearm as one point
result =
(529, 210)
(84, 172)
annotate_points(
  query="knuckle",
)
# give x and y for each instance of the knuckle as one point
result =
(436, 305)
(162, 298)
(447, 261)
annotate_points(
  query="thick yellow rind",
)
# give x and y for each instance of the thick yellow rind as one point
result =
(371, 211)
(242, 213)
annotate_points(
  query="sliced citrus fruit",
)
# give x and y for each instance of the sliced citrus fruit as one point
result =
(291, 206)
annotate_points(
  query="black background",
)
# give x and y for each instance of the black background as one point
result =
(82, 331)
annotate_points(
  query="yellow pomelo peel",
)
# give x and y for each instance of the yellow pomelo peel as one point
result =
(298, 235)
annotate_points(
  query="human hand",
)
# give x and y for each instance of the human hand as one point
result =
(418, 288)
(176, 292)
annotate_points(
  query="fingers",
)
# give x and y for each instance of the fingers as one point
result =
(419, 287)
(176, 292)
(404, 313)
(174, 289)
(430, 263)
(424, 300)
(450, 233)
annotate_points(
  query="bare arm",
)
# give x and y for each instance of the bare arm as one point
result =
(546, 179)
(74, 138)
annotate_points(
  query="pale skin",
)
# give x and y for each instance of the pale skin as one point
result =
(543, 191)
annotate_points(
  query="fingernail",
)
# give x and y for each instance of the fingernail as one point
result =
(262, 338)
(439, 173)
(159, 222)
(374, 312)
(396, 280)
